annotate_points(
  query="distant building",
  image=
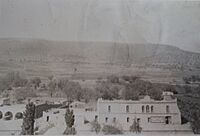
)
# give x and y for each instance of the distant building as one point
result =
(5, 101)
(149, 114)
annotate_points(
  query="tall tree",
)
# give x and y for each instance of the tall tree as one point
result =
(28, 120)
(51, 85)
(69, 119)
(36, 81)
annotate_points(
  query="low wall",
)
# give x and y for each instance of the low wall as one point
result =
(44, 107)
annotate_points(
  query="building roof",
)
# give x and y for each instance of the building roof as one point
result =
(146, 99)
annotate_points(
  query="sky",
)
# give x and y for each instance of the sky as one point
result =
(129, 21)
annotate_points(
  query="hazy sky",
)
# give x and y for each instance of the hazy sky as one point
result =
(136, 21)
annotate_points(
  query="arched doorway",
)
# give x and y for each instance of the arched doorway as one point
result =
(18, 115)
(8, 115)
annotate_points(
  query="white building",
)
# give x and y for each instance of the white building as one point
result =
(150, 115)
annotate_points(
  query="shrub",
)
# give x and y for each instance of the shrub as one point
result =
(113, 79)
(69, 118)
(96, 126)
(107, 129)
(70, 131)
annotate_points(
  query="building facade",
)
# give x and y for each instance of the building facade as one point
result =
(147, 113)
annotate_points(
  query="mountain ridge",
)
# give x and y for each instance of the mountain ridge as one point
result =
(96, 52)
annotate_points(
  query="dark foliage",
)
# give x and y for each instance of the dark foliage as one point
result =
(28, 120)
(69, 119)
(107, 90)
(190, 110)
(12, 79)
(36, 81)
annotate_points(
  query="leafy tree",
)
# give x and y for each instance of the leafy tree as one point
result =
(130, 79)
(28, 120)
(130, 93)
(15, 79)
(50, 77)
(190, 110)
(36, 81)
(79, 95)
(88, 94)
(69, 119)
(113, 79)
(12, 79)
(155, 93)
(62, 83)
(52, 87)
(108, 91)
(195, 121)
(73, 90)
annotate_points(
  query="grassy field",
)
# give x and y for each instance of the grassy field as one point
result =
(83, 71)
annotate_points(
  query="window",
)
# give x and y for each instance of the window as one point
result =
(138, 120)
(96, 117)
(147, 108)
(143, 109)
(149, 120)
(151, 109)
(109, 108)
(127, 108)
(167, 108)
(127, 119)
(168, 120)
(106, 119)
(1, 115)
(114, 120)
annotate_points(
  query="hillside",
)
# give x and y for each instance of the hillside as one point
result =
(33, 54)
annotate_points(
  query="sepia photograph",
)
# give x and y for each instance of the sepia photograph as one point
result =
(100, 67)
